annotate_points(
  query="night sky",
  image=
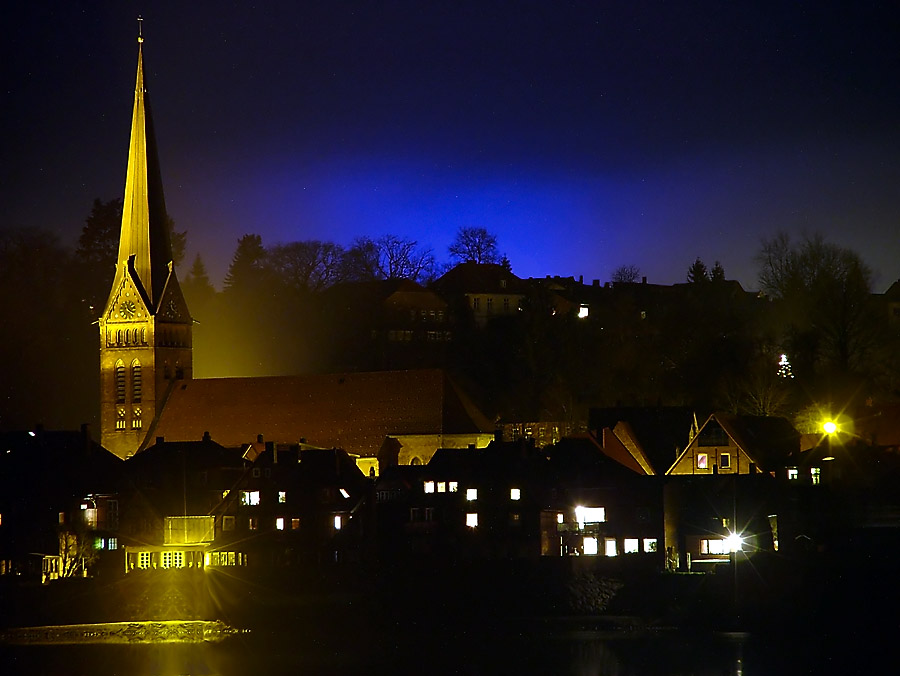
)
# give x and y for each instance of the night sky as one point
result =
(586, 135)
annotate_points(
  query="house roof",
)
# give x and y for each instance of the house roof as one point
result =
(353, 411)
(659, 432)
(769, 441)
(480, 278)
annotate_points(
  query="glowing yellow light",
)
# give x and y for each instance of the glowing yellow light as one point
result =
(830, 427)
(735, 542)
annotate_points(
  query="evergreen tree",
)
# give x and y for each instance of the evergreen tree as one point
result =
(698, 272)
(717, 274)
(197, 288)
(247, 267)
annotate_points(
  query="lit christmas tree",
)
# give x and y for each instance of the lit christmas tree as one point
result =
(784, 367)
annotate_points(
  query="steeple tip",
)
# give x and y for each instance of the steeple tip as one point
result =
(140, 30)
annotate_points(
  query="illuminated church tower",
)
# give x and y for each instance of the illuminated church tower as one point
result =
(145, 328)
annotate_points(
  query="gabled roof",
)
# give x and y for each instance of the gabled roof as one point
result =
(353, 411)
(653, 435)
(768, 441)
(488, 278)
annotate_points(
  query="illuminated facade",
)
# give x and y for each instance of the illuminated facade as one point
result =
(145, 328)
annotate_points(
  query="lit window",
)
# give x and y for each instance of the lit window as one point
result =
(167, 559)
(253, 523)
(590, 546)
(295, 523)
(452, 486)
(249, 498)
(136, 418)
(143, 560)
(649, 545)
(583, 311)
(442, 487)
(337, 522)
(471, 494)
(279, 523)
(227, 523)
(472, 519)
(120, 418)
(225, 494)
(515, 517)
(429, 487)
(589, 515)
(177, 559)
(515, 494)
(62, 517)
(112, 544)
(90, 518)
(344, 493)
(793, 474)
(560, 518)
(702, 461)
(725, 460)
(631, 546)
(816, 475)
(609, 546)
(282, 497)
(713, 547)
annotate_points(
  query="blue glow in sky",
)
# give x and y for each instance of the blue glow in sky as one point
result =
(585, 135)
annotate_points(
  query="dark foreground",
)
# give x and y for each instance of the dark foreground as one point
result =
(761, 617)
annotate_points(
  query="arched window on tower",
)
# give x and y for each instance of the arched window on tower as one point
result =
(120, 382)
(136, 381)
(143, 336)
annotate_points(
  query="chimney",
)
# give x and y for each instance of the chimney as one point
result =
(581, 279)
(596, 282)
(643, 280)
(206, 436)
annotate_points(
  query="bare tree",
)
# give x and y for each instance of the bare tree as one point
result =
(474, 245)
(310, 265)
(627, 274)
(388, 257)
(824, 289)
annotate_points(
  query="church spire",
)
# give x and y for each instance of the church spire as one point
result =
(144, 238)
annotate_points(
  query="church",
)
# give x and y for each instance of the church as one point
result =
(146, 378)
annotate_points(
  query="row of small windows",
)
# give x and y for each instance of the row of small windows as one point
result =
(427, 315)
(407, 336)
(131, 337)
(489, 304)
(165, 337)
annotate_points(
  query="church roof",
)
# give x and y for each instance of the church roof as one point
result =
(144, 232)
(353, 411)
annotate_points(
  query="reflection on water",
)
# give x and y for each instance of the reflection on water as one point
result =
(416, 651)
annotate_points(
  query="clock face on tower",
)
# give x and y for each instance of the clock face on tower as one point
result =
(172, 310)
(127, 309)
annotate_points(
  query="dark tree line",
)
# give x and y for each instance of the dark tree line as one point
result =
(706, 344)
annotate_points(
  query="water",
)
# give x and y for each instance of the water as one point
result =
(434, 650)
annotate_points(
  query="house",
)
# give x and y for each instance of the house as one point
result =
(299, 505)
(484, 290)
(735, 444)
(722, 494)
(174, 509)
(383, 325)
(58, 510)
